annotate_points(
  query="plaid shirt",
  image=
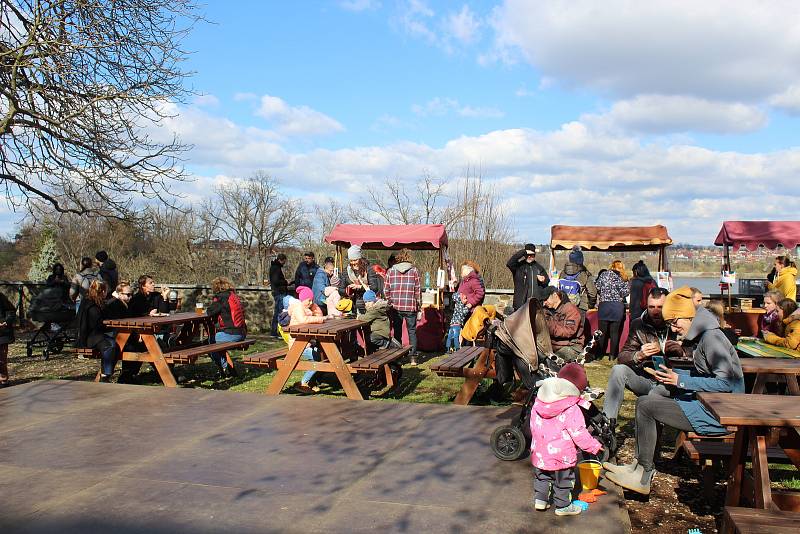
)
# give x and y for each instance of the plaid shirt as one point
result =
(402, 290)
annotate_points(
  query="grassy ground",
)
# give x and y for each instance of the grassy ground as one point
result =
(676, 504)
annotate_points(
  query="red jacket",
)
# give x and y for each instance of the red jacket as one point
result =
(472, 287)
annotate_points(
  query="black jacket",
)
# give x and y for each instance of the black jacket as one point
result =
(141, 304)
(277, 280)
(110, 275)
(91, 330)
(8, 315)
(637, 287)
(526, 285)
(374, 282)
(116, 309)
(304, 275)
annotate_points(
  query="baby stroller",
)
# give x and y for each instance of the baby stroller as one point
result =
(56, 315)
(512, 441)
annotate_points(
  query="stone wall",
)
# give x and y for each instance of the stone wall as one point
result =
(257, 300)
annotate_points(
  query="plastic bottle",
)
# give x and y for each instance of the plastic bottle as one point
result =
(427, 280)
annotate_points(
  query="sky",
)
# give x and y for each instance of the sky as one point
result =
(681, 113)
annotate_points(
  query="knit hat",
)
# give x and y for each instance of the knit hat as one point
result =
(576, 256)
(530, 248)
(304, 293)
(576, 374)
(370, 296)
(345, 305)
(679, 305)
(354, 253)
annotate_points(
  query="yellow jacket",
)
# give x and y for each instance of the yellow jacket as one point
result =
(791, 334)
(786, 283)
(474, 324)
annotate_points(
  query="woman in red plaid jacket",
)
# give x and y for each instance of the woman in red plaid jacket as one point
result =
(402, 290)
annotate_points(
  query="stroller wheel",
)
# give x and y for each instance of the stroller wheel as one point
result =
(508, 443)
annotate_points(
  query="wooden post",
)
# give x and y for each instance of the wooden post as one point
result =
(728, 263)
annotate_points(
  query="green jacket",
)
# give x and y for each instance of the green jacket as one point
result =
(378, 318)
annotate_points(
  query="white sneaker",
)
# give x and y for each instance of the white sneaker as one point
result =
(541, 505)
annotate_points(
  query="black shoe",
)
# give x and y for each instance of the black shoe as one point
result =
(231, 372)
(105, 378)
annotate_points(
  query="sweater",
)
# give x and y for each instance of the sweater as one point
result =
(786, 283)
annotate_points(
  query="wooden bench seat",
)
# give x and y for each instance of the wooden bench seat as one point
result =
(191, 354)
(752, 521)
(266, 359)
(454, 364)
(86, 353)
(375, 361)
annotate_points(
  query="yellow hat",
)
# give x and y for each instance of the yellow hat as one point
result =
(679, 305)
(344, 305)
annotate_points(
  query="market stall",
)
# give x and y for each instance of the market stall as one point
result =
(611, 239)
(752, 235)
(431, 328)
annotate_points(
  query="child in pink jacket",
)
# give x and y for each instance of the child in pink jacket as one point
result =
(557, 426)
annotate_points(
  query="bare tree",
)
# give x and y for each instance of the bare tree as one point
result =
(82, 86)
(255, 214)
(407, 202)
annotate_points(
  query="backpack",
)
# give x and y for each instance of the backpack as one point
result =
(646, 287)
(86, 283)
(570, 285)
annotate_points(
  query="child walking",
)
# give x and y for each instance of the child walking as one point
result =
(557, 426)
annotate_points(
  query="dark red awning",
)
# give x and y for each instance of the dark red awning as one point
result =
(753, 234)
(389, 236)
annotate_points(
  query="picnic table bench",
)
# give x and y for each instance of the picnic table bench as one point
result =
(474, 363)
(752, 521)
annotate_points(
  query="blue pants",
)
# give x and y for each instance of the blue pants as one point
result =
(453, 336)
(309, 354)
(223, 337)
(108, 356)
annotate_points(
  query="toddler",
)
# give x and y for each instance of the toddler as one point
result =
(378, 319)
(557, 426)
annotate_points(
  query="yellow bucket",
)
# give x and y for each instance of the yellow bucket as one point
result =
(589, 471)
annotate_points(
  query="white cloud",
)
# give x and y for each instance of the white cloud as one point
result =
(463, 26)
(299, 120)
(439, 107)
(669, 113)
(716, 49)
(414, 19)
(575, 174)
(245, 97)
(359, 5)
(206, 101)
(788, 101)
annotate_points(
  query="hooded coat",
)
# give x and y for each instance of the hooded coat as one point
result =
(586, 280)
(378, 318)
(110, 275)
(558, 427)
(786, 283)
(716, 368)
(791, 333)
(516, 332)
(472, 288)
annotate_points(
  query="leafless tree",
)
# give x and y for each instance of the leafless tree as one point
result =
(407, 202)
(83, 88)
(255, 214)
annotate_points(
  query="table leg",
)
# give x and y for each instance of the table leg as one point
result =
(154, 349)
(763, 494)
(792, 383)
(736, 472)
(760, 384)
(341, 370)
(472, 379)
(292, 357)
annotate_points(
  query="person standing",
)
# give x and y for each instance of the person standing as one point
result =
(322, 279)
(403, 292)
(8, 316)
(612, 288)
(578, 283)
(358, 278)
(304, 275)
(785, 277)
(280, 288)
(227, 310)
(641, 284)
(108, 270)
(82, 280)
(530, 278)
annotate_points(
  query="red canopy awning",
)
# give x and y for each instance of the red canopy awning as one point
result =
(389, 236)
(611, 238)
(752, 234)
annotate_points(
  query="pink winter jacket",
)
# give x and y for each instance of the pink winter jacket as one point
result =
(472, 288)
(556, 428)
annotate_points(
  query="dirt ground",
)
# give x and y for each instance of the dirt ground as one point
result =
(676, 504)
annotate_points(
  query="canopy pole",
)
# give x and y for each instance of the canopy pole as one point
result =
(728, 264)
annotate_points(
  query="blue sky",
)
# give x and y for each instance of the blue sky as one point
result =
(581, 112)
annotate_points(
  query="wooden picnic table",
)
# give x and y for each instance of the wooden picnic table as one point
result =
(772, 370)
(185, 349)
(331, 335)
(757, 348)
(754, 416)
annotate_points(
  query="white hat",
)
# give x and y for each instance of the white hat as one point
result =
(354, 253)
(554, 389)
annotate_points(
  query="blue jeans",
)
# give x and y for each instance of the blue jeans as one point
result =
(410, 319)
(309, 354)
(223, 337)
(452, 337)
(108, 356)
(276, 312)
